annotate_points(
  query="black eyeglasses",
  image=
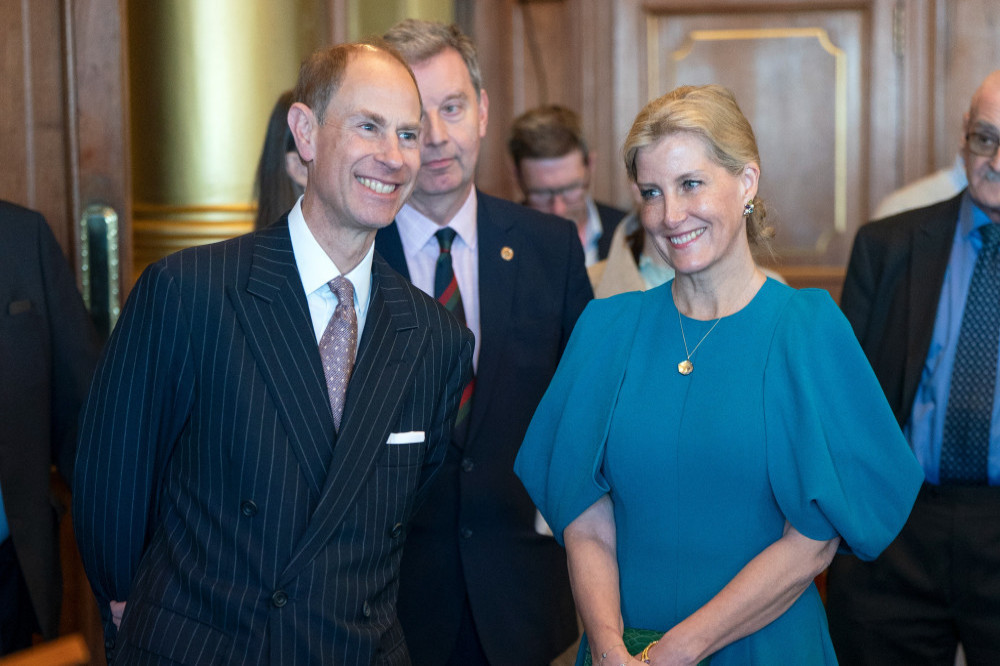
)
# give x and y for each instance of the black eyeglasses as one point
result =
(982, 144)
(571, 194)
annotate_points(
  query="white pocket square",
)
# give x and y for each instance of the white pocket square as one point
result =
(412, 437)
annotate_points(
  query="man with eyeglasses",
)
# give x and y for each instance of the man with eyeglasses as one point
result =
(923, 295)
(552, 165)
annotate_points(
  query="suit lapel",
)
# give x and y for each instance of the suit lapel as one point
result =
(272, 310)
(932, 242)
(390, 346)
(497, 280)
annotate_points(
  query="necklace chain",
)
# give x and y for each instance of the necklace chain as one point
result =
(685, 367)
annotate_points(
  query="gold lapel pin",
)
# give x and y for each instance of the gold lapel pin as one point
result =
(506, 253)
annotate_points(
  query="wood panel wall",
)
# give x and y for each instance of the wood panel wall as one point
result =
(910, 68)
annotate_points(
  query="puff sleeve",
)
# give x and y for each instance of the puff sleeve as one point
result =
(560, 460)
(837, 460)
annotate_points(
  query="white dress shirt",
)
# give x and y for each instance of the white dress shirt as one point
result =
(591, 234)
(316, 269)
(420, 246)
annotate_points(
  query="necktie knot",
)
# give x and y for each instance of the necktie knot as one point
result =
(445, 237)
(990, 233)
(342, 289)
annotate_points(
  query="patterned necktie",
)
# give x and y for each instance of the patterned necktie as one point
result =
(338, 346)
(447, 293)
(445, 284)
(965, 447)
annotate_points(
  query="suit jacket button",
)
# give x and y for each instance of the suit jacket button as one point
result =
(468, 465)
(466, 533)
(109, 644)
(248, 508)
(279, 598)
(367, 610)
(396, 530)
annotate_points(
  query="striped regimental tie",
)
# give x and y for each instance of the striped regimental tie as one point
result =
(447, 293)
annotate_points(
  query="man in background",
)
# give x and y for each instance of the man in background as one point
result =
(48, 350)
(479, 584)
(271, 409)
(923, 295)
(552, 165)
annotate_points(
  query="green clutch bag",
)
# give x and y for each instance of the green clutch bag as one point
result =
(635, 641)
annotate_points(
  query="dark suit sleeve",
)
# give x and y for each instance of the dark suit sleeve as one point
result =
(74, 349)
(858, 296)
(137, 407)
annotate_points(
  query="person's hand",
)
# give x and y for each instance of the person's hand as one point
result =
(117, 610)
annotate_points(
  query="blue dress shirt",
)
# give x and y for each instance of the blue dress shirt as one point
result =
(925, 429)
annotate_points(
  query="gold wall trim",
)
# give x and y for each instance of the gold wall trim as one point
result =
(840, 94)
(159, 230)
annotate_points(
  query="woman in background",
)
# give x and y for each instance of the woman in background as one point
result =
(281, 175)
(706, 445)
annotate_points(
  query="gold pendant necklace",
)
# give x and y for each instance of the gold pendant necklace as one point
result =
(685, 367)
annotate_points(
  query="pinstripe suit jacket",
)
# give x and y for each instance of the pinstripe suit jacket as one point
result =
(213, 493)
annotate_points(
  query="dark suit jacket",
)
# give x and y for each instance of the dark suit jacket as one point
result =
(47, 354)
(476, 533)
(212, 490)
(610, 217)
(891, 294)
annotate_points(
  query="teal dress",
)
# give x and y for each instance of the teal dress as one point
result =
(782, 419)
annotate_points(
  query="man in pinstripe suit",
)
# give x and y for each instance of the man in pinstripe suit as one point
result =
(214, 492)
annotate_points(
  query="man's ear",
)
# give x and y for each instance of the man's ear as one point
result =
(296, 169)
(302, 121)
(484, 112)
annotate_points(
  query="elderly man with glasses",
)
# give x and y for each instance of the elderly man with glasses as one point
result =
(923, 295)
(552, 166)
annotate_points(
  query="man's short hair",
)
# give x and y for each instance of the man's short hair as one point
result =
(321, 74)
(419, 40)
(546, 131)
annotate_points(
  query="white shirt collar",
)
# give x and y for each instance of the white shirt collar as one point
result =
(417, 230)
(316, 268)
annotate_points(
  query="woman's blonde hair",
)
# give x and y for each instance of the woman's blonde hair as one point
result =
(711, 113)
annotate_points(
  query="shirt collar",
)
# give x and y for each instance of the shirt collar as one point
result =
(970, 218)
(417, 230)
(594, 228)
(316, 268)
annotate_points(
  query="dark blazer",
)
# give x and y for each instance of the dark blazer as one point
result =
(476, 533)
(48, 350)
(213, 493)
(891, 294)
(610, 217)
